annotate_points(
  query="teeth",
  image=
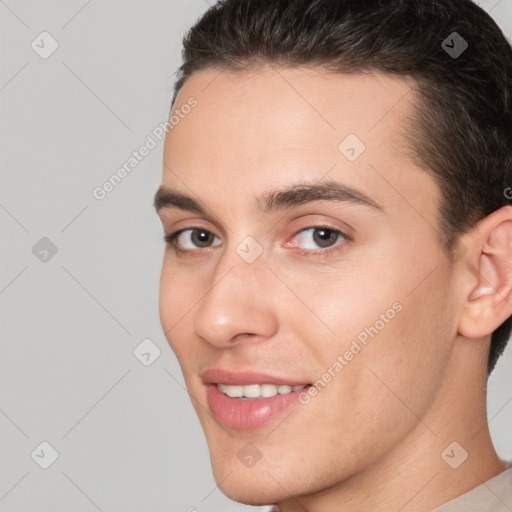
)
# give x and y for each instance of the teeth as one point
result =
(268, 390)
(232, 391)
(251, 390)
(257, 390)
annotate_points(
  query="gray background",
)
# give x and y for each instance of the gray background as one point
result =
(126, 434)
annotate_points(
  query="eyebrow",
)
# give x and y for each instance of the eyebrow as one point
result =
(274, 200)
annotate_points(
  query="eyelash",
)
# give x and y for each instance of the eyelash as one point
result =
(171, 240)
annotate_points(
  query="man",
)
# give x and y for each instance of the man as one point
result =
(337, 278)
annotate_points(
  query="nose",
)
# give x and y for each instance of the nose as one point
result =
(238, 303)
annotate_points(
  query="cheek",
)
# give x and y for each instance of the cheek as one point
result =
(176, 302)
(391, 342)
(386, 383)
(405, 345)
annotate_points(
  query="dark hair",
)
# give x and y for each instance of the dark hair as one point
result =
(462, 130)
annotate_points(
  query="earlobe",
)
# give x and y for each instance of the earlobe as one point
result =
(489, 301)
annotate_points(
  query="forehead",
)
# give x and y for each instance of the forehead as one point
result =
(280, 99)
(271, 126)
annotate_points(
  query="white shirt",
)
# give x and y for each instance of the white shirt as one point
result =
(494, 495)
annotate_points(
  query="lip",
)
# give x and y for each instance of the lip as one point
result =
(250, 413)
(242, 378)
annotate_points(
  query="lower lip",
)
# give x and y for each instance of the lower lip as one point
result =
(250, 413)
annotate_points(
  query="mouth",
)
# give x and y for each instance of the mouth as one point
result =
(250, 391)
(246, 400)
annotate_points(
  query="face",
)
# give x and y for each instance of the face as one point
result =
(308, 256)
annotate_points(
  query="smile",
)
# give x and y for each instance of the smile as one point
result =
(257, 390)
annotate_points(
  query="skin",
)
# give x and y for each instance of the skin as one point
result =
(372, 439)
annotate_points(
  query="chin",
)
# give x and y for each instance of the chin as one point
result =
(263, 484)
(251, 487)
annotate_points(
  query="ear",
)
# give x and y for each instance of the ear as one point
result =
(488, 293)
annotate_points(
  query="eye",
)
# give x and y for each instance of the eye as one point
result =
(312, 238)
(189, 239)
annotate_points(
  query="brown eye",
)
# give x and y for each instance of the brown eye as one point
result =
(201, 237)
(319, 237)
(325, 237)
(190, 239)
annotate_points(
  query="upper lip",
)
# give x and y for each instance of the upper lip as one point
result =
(242, 378)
